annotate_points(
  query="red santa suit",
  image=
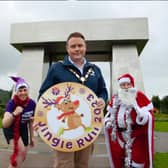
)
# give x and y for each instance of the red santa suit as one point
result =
(129, 132)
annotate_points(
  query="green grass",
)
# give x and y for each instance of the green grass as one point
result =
(161, 116)
(161, 160)
(161, 126)
(0, 122)
(161, 122)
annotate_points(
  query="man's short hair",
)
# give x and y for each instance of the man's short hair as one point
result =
(75, 34)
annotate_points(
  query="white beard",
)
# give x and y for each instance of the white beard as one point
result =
(127, 96)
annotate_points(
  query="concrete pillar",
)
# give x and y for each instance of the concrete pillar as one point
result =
(31, 68)
(125, 60)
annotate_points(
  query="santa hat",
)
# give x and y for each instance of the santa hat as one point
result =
(19, 82)
(59, 99)
(126, 78)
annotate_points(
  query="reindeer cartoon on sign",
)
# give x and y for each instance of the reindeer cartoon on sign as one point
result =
(69, 114)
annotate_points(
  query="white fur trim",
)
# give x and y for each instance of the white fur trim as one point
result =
(142, 113)
(121, 117)
(137, 165)
(148, 107)
(107, 119)
(123, 80)
(142, 118)
(20, 85)
(108, 124)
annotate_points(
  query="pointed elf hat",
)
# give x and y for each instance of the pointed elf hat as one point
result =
(19, 82)
(126, 78)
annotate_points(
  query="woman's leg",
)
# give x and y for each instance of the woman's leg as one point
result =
(22, 152)
(11, 145)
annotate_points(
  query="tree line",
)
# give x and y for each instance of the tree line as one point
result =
(4, 98)
(160, 104)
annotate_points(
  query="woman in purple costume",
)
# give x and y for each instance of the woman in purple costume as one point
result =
(18, 121)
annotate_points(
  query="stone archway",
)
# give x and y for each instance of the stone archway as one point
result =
(118, 41)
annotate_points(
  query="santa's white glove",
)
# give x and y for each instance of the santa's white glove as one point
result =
(142, 116)
(108, 124)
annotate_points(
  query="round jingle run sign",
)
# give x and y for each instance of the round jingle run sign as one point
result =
(67, 117)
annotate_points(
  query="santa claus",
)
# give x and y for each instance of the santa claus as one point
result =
(129, 127)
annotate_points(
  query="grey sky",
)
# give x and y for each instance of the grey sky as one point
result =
(154, 60)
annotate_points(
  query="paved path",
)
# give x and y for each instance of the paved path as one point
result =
(42, 155)
(161, 142)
